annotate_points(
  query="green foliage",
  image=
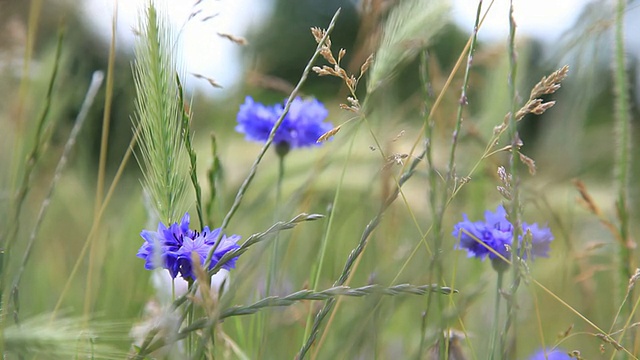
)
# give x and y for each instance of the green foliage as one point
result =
(159, 117)
(411, 26)
(388, 218)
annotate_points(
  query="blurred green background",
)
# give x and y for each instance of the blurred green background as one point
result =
(574, 139)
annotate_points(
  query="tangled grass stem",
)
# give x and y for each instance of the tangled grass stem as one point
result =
(291, 299)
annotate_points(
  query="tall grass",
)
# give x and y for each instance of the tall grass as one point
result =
(368, 265)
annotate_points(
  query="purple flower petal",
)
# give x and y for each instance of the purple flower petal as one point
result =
(301, 127)
(171, 248)
(496, 232)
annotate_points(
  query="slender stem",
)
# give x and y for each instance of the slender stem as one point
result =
(102, 163)
(271, 276)
(355, 254)
(273, 266)
(276, 241)
(435, 268)
(9, 235)
(623, 157)
(96, 82)
(193, 163)
(514, 213)
(150, 345)
(325, 239)
(463, 97)
(254, 168)
(190, 319)
(106, 116)
(107, 198)
(496, 316)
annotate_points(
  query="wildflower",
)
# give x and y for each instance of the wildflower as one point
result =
(549, 354)
(171, 248)
(301, 127)
(496, 233)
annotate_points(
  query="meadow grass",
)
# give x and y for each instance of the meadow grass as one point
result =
(352, 247)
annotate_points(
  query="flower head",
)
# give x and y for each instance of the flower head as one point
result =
(496, 233)
(171, 248)
(549, 354)
(301, 127)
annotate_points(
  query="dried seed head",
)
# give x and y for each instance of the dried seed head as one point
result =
(400, 134)
(399, 157)
(209, 80)
(365, 66)
(505, 179)
(531, 165)
(328, 134)
(500, 128)
(565, 333)
(550, 84)
(541, 108)
(341, 54)
(587, 200)
(327, 55)
(341, 73)
(317, 33)
(634, 278)
(239, 40)
(504, 192)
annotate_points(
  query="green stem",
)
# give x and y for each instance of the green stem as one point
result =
(514, 213)
(325, 239)
(355, 254)
(463, 98)
(190, 319)
(496, 317)
(273, 266)
(271, 279)
(254, 168)
(622, 161)
(186, 133)
(9, 235)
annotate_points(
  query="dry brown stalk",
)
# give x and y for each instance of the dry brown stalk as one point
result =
(351, 81)
(238, 40)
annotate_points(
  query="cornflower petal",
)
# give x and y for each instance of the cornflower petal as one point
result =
(496, 232)
(550, 354)
(301, 127)
(172, 247)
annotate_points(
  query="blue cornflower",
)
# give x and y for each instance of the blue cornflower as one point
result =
(550, 354)
(171, 248)
(301, 127)
(496, 232)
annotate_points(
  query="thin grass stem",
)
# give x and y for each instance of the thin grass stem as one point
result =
(355, 255)
(514, 213)
(622, 138)
(272, 277)
(94, 86)
(193, 160)
(291, 299)
(496, 316)
(463, 96)
(92, 231)
(39, 143)
(9, 235)
(254, 167)
(104, 147)
(325, 239)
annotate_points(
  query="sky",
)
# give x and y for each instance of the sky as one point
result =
(208, 54)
